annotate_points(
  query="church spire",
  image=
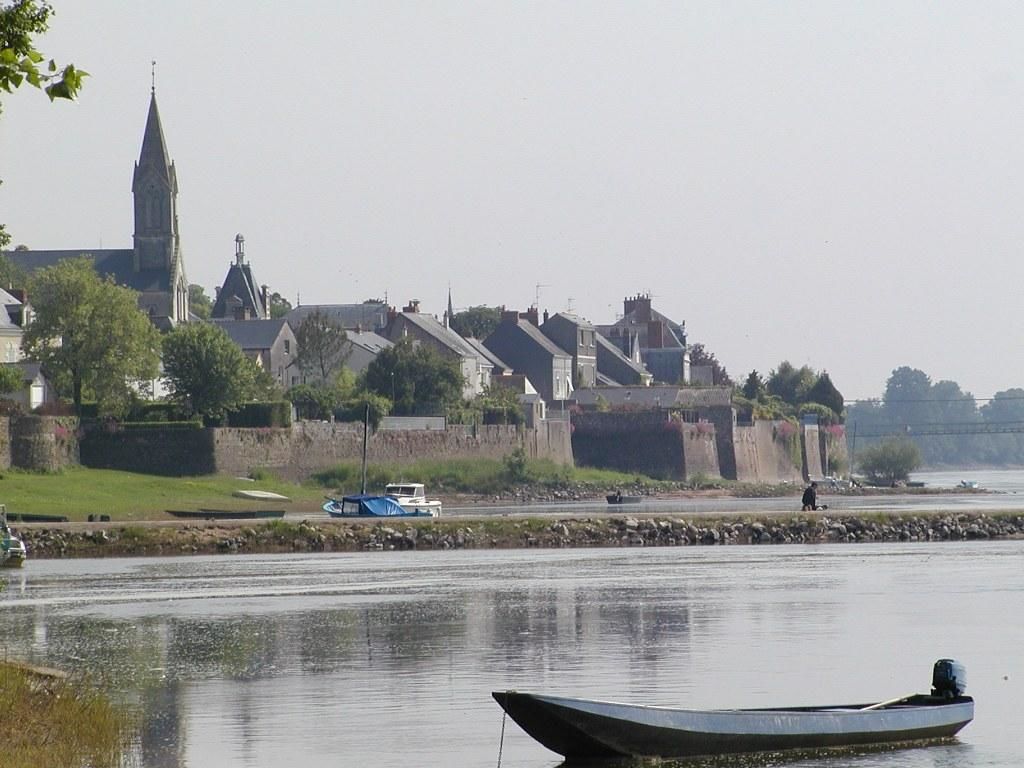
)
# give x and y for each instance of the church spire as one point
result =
(153, 156)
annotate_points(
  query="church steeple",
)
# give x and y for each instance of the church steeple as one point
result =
(155, 189)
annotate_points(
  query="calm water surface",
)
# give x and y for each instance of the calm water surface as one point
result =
(388, 659)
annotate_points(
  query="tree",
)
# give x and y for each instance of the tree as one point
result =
(279, 306)
(20, 62)
(700, 356)
(89, 335)
(790, 384)
(889, 461)
(476, 322)
(208, 373)
(199, 304)
(322, 346)
(825, 393)
(417, 379)
(753, 387)
(11, 379)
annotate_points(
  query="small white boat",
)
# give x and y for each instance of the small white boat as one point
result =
(260, 495)
(12, 549)
(413, 498)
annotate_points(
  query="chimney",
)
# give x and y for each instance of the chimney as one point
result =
(545, 315)
(509, 316)
(531, 315)
(413, 307)
(643, 308)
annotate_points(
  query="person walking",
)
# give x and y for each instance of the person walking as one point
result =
(810, 499)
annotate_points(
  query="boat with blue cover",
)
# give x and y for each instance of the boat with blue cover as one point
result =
(366, 505)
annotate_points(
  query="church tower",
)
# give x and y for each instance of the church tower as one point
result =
(155, 190)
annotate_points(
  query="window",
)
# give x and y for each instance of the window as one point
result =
(287, 347)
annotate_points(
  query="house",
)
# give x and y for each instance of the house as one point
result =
(498, 366)
(519, 342)
(36, 390)
(362, 349)
(427, 329)
(154, 265)
(368, 316)
(615, 369)
(270, 343)
(239, 298)
(644, 334)
(12, 322)
(577, 337)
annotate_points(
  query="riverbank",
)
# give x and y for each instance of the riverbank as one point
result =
(640, 530)
(59, 722)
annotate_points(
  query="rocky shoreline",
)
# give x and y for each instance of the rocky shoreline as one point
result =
(498, 532)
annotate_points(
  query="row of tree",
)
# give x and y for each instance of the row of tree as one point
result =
(913, 404)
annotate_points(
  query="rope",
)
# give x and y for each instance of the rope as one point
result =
(501, 743)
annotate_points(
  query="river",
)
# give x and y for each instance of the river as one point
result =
(388, 659)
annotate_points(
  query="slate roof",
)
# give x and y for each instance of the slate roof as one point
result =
(368, 340)
(536, 335)
(252, 334)
(496, 362)
(372, 316)
(445, 336)
(611, 349)
(117, 263)
(240, 283)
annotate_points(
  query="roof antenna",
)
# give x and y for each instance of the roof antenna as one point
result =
(152, 76)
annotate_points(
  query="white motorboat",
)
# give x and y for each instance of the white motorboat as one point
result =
(12, 549)
(413, 498)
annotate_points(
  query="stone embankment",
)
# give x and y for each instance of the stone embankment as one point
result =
(505, 533)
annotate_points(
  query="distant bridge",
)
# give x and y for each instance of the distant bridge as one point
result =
(929, 429)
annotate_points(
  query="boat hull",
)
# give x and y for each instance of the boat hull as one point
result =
(579, 728)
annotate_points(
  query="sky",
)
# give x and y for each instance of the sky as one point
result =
(835, 184)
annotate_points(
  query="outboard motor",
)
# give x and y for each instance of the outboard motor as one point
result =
(949, 679)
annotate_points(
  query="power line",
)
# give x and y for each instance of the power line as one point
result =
(964, 399)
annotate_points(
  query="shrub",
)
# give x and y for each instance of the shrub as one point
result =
(273, 414)
(889, 461)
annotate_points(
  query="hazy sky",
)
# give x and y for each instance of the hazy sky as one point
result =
(837, 184)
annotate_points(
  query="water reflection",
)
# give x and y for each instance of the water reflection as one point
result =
(389, 659)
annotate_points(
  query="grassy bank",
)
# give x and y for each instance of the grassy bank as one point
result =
(79, 492)
(51, 721)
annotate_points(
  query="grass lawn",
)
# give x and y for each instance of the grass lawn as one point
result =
(79, 492)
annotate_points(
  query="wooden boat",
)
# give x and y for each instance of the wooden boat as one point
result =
(413, 498)
(29, 517)
(618, 498)
(227, 514)
(582, 728)
(366, 505)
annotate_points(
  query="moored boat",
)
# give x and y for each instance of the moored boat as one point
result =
(366, 505)
(226, 514)
(12, 549)
(620, 498)
(583, 728)
(413, 498)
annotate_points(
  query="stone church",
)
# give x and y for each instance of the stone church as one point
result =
(154, 265)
